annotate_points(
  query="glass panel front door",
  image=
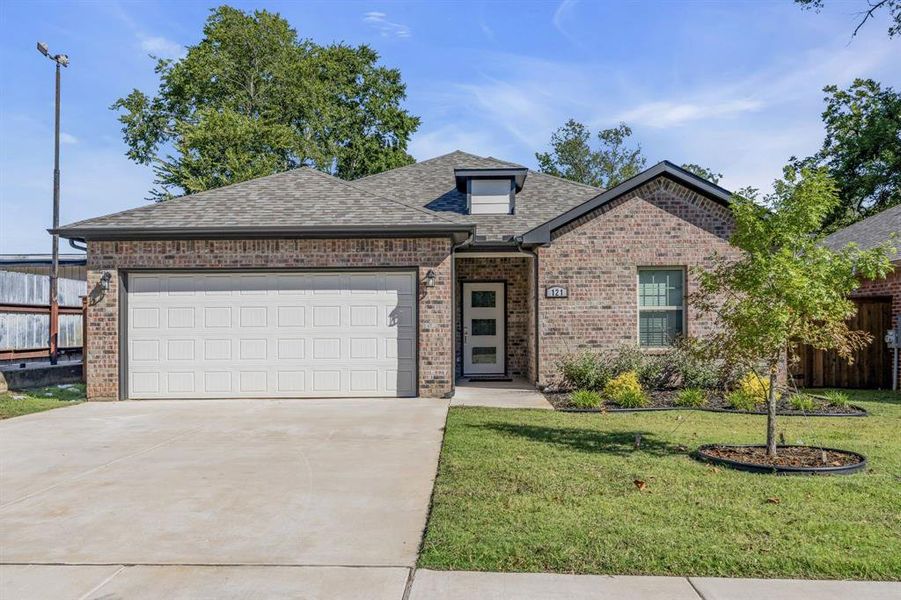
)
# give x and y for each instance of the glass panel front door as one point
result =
(483, 329)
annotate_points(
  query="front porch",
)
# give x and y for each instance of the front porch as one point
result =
(495, 315)
(516, 392)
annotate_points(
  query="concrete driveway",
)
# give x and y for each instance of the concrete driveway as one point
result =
(225, 499)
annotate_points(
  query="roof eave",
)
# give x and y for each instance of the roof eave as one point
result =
(542, 233)
(453, 230)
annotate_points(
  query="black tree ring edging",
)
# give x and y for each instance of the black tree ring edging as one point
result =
(860, 465)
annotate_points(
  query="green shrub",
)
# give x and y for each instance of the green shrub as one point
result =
(650, 369)
(836, 398)
(584, 371)
(693, 397)
(803, 402)
(625, 390)
(585, 399)
(740, 400)
(755, 386)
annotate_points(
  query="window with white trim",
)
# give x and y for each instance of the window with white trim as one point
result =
(661, 307)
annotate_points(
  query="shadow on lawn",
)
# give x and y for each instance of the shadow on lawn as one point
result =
(587, 440)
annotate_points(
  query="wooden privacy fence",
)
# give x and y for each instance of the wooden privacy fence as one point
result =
(871, 367)
(25, 315)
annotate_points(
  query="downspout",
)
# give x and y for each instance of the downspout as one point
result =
(534, 255)
(74, 243)
(453, 256)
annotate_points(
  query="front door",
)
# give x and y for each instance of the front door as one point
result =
(483, 329)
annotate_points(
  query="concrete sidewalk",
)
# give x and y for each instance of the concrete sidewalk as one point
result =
(463, 585)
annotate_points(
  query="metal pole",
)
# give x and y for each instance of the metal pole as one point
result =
(54, 266)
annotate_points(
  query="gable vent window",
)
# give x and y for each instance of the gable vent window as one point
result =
(491, 196)
(661, 307)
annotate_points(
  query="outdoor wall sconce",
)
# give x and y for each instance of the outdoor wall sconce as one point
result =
(99, 291)
(104, 280)
(430, 279)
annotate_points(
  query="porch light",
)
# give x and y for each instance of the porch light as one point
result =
(104, 280)
(430, 278)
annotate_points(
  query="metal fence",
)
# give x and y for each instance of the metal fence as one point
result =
(25, 313)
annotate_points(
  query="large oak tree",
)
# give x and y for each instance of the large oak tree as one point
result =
(252, 99)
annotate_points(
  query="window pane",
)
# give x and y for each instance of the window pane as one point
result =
(484, 355)
(660, 287)
(484, 327)
(659, 327)
(483, 299)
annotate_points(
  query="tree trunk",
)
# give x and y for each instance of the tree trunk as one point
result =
(771, 411)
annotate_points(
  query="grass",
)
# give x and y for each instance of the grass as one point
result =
(530, 490)
(23, 402)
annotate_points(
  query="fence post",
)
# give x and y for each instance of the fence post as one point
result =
(84, 339)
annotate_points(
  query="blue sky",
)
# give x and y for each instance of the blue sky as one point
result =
(735, 86)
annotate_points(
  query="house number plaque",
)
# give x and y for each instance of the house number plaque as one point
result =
(556, 291)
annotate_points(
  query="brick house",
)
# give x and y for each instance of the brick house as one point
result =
(880, 300)
(303, 285)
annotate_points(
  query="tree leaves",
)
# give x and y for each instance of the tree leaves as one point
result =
(252, 99)
(572, 156)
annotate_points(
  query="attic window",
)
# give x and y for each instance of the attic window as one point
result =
(490, 191)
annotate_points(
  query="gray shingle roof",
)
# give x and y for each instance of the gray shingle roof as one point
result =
(870, 232)
(302, 198)
(430, 184)
(419, 195)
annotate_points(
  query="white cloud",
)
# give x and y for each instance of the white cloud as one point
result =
(669, 114)
(561, 16)
(160, 47)
(379, 21)
(67, 138)
(448, 138)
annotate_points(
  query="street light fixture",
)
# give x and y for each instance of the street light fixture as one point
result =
(61, 60)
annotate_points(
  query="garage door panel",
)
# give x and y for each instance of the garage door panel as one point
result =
(271, 335)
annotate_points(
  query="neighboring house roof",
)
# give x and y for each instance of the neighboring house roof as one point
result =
(870, 232)
(542, 233)
(41, 259)
(432, 185)
(302, 200)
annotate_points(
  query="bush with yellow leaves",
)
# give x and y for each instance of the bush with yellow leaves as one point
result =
(625, 390)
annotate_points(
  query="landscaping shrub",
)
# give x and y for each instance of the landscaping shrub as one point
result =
(650, 369)
(625, 390)
(803, 402)
(836, 398)
(692, 397)
(740, 400)
(755, 386)
(584, 371)
(585, 399)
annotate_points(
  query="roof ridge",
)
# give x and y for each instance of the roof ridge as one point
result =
(569, 181)
(370, 193)
(176, 199)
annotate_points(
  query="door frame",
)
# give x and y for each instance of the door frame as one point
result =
(122, 301)
(462, 348)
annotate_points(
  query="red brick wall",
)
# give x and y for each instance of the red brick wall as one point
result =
(516, 271)
(435, 319)
(597, 258)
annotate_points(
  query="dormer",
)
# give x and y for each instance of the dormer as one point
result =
(490, 191)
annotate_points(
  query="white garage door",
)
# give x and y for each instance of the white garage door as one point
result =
(261, 335)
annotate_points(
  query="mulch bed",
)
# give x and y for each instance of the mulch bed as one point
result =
(786, 456)
(665, 400)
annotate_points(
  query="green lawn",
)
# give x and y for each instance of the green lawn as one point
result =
(532, 490)
(14, 404)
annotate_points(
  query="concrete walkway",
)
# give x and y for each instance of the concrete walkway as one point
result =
(518, 393)
(462, 585)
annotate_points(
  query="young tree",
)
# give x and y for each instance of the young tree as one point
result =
(786, 288)
(572, 156)
(862, 150)
(251, 99)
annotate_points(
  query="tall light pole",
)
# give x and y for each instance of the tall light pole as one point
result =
(61, 60)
